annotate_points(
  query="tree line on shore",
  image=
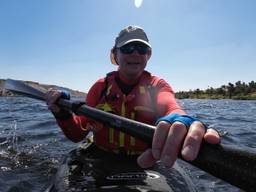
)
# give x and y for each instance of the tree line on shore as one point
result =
(238, 90)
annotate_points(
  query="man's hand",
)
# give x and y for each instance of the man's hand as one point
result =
(169, 139)
(51, 97)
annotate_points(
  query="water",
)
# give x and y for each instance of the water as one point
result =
(32, 145)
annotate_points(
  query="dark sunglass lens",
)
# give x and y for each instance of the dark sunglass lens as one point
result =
(142, 49)
(127, 49)
(130, 48)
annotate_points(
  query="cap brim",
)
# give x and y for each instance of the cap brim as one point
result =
(132, 40)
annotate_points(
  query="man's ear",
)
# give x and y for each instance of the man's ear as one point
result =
(149, 54)
(113, 56)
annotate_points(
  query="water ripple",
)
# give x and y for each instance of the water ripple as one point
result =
(31, 143)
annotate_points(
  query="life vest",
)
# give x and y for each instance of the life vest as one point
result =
(138, 105)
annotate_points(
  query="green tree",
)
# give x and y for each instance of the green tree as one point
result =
(231, 89)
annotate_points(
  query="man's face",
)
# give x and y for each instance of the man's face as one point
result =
(132, 59)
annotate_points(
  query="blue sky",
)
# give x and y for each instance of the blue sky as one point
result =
(196, 43)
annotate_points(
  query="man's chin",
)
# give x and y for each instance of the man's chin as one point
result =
(135, 73)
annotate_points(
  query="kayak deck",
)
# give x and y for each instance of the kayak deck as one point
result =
(89, 168)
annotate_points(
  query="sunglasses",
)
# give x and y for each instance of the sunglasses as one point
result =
(131, 47)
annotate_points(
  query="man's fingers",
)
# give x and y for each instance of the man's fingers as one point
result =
(159, 138)
(212, 136)
(51, 97)
(168, 139)
(146, 159)
(173, 143)
(55, 95)
(193, 141)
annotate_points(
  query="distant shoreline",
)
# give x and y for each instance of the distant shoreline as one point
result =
(237, 91)
(216, 97)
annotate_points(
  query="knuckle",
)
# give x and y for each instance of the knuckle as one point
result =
(197, 126)
(213, 131)
(194, 138)
(179, 126)
(197, 123)
(163, 124)
(196, 133)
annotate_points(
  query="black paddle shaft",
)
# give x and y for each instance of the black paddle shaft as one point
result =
(232, 165)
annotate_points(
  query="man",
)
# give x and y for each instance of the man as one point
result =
(134, 93)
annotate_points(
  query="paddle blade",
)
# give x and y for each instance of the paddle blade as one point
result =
(21, 88)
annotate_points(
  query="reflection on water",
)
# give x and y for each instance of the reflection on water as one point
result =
(32, 145)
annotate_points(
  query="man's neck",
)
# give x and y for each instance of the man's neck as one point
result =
(129, 81)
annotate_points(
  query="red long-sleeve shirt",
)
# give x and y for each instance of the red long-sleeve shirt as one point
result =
(75, 127)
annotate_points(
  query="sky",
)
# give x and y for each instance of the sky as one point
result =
(195, 43)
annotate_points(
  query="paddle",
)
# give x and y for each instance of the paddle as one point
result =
(232, 165)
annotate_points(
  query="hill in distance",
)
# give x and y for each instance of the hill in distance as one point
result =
(42, 87)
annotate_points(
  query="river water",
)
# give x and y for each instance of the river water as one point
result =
(32, 145)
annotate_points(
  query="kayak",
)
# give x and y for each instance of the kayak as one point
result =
(89, 168)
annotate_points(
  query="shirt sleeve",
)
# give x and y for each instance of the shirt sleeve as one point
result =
(75, 127)
(165, 100)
